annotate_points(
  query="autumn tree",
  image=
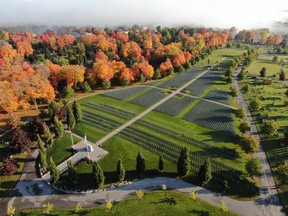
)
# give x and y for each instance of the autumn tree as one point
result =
(9, 166)
(120, 171)
(72, 74)
(183, 164)
(244, 126)
(249, 144)
(20, 141)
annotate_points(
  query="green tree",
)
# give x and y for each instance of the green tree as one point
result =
(120, 171)
(67, 92)
(244, 126)
(223, 206)
(282, 172)
(241, 112)
(157, 74)
(270, 127)
(254, 167)
(255, 104)
(241, 75)
(282, 75)
(77, 111)
(52, 106)
(59, 128)
(72, 173)
(205, 174)
(43, 159)
(48, 135)
(233, 91)
(249, 144)
(246, 88)
(275, 59)
(229, 80)
(78, 208)
(70, 118)
(106, 84)
(140, 164)
(263, 72)
(54, 172)
(183, 164)
(86, 88)
(98, 175)
(161, 163)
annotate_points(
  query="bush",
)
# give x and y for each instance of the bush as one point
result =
(244, 126)
(9, 166)
(268, 81)
(86, 88)
(106, 84)
(240, 113)
(282, 75)
(20, 142)
(246, 88)
(275, 59)
(263, 72)
(255, 104)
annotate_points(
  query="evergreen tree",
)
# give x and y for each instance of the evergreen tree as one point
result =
(120, 171)
(183, 164)
(40, 143)
(59, 128)
(72, 173)
(48, 136)
(140, 164)
(54, 172)
(98, 175)
(70, 118)
(77, 111)
(161, 163)
(205, 173)
(43, 159)
(86, 88)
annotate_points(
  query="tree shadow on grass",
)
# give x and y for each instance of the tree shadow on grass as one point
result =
(199, 213)
(168, 200)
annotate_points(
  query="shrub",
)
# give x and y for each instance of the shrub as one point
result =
(68, 92)
(249, 144)
(269, 127)
(255, 104)
(254, 167)
(244, 126)
(9, 166)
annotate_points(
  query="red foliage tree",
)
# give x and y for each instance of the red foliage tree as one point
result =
(9, 166)
(20, 141)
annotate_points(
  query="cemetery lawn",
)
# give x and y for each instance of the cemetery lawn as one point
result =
(153, 203)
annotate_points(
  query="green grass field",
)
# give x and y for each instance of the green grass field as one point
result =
(60, 149)
(153, 203)
(266, 61)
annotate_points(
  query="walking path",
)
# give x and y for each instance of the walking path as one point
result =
(268, 191)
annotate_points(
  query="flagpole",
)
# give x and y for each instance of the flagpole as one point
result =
(86, 143)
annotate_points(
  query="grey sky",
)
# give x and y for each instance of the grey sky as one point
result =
(215, 13)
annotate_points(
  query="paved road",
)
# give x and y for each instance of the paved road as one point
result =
(268, 191)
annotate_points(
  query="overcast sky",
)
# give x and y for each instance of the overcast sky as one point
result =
(208, 13)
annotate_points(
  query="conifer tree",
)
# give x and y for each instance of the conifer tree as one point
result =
(72, 173)
(59, 128)
(183, 164)
(98, 175)
(161, 163)
(54, 172)
(77, 111)
(205, 174)
(140, 164)
(120, 171)
(70, 118)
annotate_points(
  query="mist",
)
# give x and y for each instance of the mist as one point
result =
(102, 13)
